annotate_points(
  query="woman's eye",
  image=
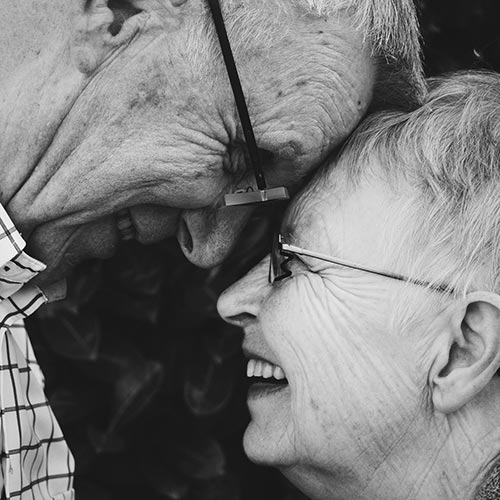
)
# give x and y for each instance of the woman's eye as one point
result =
(297, 265)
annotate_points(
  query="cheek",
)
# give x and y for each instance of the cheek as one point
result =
(351, 391)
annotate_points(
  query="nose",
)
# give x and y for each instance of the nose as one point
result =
(206, 236)
(241, 302)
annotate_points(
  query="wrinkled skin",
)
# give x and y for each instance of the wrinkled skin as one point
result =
(144, 120)
(351, 406)
(355, 419)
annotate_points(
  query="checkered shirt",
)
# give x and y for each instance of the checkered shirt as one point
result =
(35, 460)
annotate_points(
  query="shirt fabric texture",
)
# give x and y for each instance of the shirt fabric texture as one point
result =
(490, 489)
(35, 460)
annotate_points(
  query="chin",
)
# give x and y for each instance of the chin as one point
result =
(254, 447)
(59, 272)
(62, 248)
(271, 447)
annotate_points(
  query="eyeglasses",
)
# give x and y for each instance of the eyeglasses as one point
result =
(263, 193)
(282, 253)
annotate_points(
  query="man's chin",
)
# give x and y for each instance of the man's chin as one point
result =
(61, 249)
(99, 242)
(53, 274)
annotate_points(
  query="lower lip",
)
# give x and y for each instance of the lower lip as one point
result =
(259, 390)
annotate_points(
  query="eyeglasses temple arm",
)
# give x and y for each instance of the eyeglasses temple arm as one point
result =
(307, 253)
(239, 97)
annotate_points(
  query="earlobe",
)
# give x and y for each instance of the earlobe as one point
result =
(468, 354)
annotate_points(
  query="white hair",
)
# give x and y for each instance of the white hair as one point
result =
(444, 160)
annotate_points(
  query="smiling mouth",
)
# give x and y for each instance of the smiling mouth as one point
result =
(264, 377)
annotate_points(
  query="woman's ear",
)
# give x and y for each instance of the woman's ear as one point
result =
(468, 354)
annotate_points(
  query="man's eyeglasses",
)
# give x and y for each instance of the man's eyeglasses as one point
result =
(249, 196)
(282, 253)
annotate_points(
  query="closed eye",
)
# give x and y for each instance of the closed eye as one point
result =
(310, 265)
(295, 264)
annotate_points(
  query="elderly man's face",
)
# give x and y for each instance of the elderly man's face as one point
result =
(354, 393)
(154, 128)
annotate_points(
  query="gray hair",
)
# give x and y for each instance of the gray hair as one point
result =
(444, 160)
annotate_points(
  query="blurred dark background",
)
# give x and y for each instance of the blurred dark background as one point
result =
(147, 382)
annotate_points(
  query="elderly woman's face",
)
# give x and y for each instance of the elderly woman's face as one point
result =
(354, 388)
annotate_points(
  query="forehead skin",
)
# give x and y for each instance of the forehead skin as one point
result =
(360, 224)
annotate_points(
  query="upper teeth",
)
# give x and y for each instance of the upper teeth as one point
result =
(125, 225)
(259, 368)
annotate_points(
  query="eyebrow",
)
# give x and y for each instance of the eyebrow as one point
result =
(288, 232)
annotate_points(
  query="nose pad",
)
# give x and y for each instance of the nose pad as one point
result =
(252, 197)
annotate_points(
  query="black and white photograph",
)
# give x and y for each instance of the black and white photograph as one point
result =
(250, 250)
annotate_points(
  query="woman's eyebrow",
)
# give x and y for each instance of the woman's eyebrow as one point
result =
(288, 233)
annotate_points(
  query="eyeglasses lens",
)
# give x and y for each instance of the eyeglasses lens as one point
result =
(274, 261)
(278, 260)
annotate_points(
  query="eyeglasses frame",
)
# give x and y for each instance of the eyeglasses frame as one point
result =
(287, 250)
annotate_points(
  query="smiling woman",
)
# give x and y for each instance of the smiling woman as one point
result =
(392, 387)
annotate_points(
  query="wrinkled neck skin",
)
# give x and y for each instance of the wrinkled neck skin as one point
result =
(446, 457)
